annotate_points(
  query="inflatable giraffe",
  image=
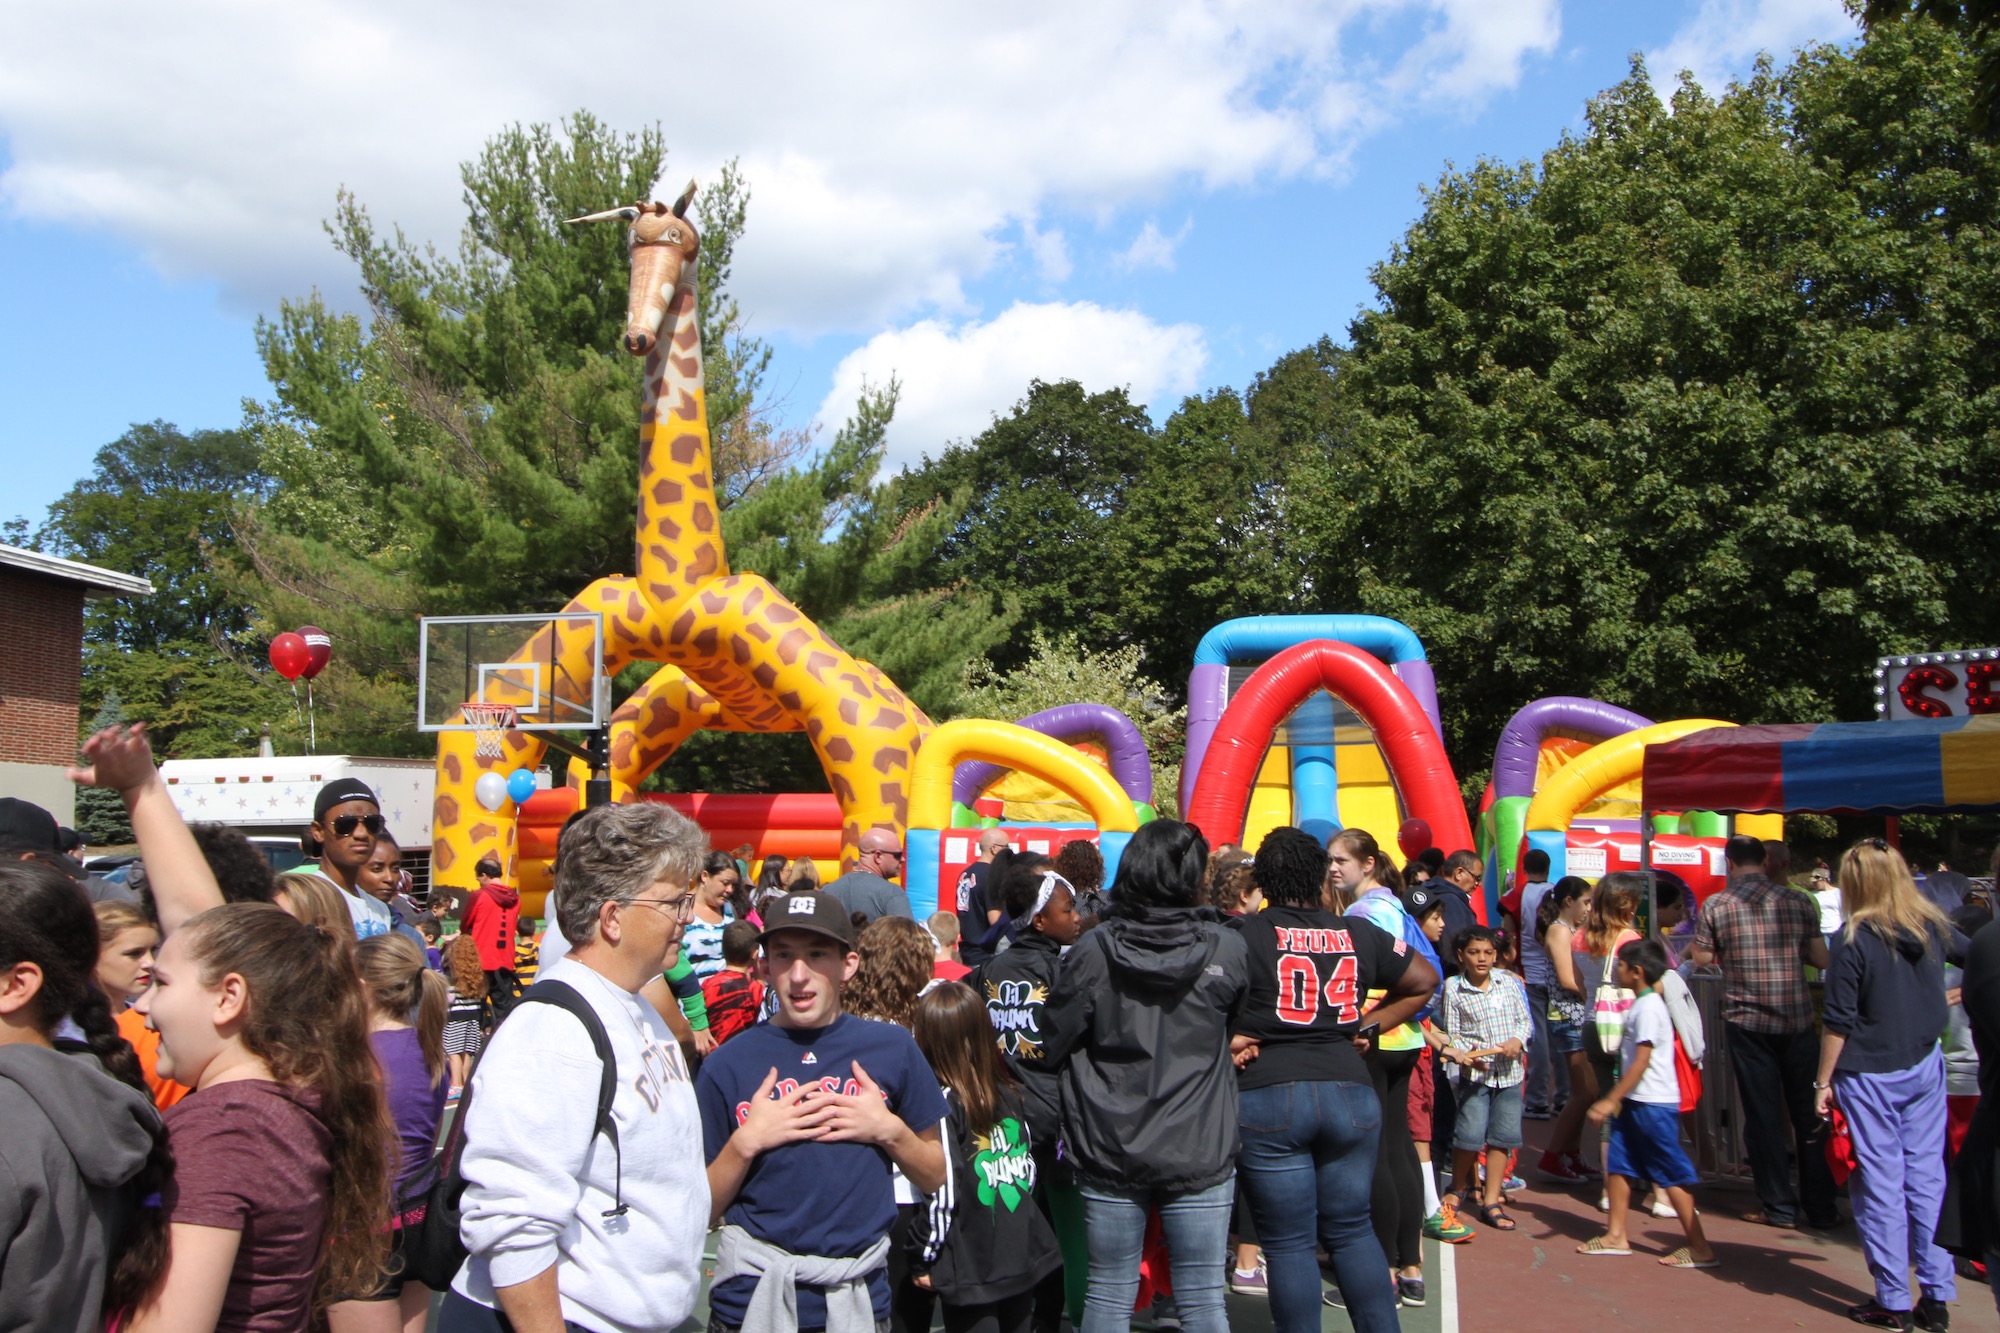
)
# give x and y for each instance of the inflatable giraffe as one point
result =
(736, 654)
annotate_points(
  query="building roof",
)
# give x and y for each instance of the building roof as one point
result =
(96, 582)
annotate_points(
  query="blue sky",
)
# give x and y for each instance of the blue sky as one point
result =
(1164, 196)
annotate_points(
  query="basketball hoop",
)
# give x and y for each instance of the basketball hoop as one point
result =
(491, 723)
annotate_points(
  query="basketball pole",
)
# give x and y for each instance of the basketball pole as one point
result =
(597, 791)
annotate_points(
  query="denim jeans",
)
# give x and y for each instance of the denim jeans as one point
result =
(1196, 1228)
(1308, 1163)
(1547, 1085)
(1774, 1078)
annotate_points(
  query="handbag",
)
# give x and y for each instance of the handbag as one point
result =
(1689, 1074)
(1609, 1004)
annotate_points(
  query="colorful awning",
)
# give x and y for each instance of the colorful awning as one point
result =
(1885, 768)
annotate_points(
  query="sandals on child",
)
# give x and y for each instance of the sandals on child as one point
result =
(1493, 1217)
(1602, 1245)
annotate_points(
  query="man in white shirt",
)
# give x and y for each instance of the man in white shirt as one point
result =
(563, 1224)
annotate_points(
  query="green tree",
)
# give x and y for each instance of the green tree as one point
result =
(1698, 414)
(1062, 670)
(100, 812)
(1035, 500)
(1977, 21)
(156, 503)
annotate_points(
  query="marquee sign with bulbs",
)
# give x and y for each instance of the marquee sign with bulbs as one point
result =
(1960, 683)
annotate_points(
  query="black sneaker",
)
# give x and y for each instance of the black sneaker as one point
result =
(1410, 1291)
(1932, 1315)
(1876, 1315)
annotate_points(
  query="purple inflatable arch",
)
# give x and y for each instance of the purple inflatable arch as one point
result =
(1515, 757)
(1131, 767)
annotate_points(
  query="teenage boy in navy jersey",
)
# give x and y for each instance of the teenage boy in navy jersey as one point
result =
(801, 1118)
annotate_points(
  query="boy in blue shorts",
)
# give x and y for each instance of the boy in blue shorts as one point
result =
(1645, 1142)
(800, 1118)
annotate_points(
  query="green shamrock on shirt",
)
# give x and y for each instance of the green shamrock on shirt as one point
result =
(1003, 1165)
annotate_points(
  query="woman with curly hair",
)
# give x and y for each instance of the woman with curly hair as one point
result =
(896, 956)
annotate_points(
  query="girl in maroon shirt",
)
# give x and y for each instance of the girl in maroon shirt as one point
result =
(281, 1186)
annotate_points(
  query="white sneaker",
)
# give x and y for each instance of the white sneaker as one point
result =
(1604, 1203)
(1661, 1208)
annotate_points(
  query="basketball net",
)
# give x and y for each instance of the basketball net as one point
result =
(490, 724)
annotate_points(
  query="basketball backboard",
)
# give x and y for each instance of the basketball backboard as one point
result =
(548, 668)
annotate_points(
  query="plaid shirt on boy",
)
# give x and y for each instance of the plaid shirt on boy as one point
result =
(1758, 932)
(1474, 1019)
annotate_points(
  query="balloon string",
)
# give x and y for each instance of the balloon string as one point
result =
(297, 716)
(312, 722)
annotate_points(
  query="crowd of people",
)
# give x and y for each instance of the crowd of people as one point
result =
(1055, 1101)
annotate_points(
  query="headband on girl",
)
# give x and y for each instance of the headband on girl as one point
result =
(1050, 882)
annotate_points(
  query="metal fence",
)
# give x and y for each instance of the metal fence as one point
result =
(1717, 1122)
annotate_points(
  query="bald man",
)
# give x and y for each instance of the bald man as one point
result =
(866, 888)
(978, 904)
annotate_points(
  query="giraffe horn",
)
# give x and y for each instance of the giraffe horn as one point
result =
(687, 197)
(625, 214)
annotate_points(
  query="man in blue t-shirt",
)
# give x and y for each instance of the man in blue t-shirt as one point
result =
(800, 1120)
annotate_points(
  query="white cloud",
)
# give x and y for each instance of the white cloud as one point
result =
(1050, 249)
(956, 379)
(1724, 38)
(891, 145)
(1151, 249)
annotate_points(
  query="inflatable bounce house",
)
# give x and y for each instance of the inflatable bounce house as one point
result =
(734, 654)
(1324, 722)
(1566, 780)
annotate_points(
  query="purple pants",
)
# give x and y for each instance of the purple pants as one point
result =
(1898, 1123)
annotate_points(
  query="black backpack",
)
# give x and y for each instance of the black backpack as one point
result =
(432, 1250)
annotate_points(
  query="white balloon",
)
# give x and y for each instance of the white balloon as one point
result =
(491, 789)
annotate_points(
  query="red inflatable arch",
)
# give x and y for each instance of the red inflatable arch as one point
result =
(1409, 744)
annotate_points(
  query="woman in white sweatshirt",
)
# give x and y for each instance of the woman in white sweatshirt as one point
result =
(563, 1223)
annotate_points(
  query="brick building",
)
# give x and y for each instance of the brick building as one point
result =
(41, 667)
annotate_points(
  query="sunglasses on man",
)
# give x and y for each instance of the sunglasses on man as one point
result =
(344, 825)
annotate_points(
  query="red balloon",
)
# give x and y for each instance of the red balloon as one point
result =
(290, 656)
(1414, 837)
(320, 645)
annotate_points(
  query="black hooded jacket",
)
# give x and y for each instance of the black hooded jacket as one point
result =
(1016, 985)
(1139, 1028)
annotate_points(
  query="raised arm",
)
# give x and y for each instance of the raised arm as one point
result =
(120, 759)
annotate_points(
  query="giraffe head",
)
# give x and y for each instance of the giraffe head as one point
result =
(662, 243)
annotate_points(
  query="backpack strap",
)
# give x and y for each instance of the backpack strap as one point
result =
(567, 998)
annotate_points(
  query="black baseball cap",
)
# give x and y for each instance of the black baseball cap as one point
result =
(340, 791)
(813, 909)
(1422, 899)
(26, 827)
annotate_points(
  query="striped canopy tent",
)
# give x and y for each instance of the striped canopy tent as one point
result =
(1927, 766)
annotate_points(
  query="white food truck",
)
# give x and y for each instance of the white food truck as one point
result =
(271, 800)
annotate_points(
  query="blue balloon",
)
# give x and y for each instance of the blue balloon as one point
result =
(520, 785)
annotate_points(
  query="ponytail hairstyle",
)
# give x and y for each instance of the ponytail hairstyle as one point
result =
(305, 1017)
(316, 902)
(1560, 895)
(461, 960)
(1361, 845)
(46, 919)
(399, 984)
(955, 1035)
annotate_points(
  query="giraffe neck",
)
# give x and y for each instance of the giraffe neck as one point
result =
(679, 538)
